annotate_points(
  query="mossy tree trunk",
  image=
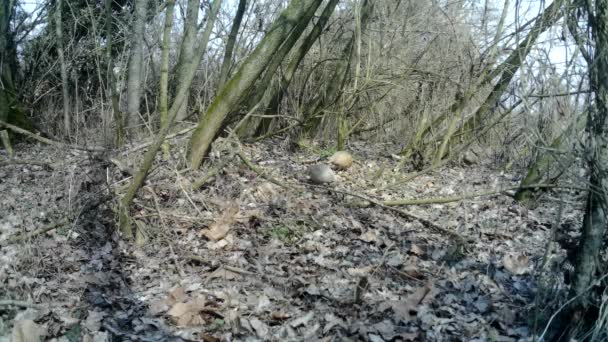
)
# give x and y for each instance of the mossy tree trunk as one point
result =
(163, 96)
(506, 70)
(187, 50)
(279, 90)
(266, 87)
(242, 81)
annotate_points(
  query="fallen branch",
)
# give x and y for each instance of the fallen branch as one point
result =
(170, 136)
(22, 237)
(25, 162)
(441, 200)
(10, 302)
(403, 213)
(49, 141)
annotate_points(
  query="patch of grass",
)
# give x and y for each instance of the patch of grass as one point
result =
(327, 152)
(288, 233)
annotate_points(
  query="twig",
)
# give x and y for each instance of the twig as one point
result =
(8, 302)
(259, 171)
(403, 213)
(25, 162)
(442, 200)
(49, 141)
(170, 136)
(178, 266)
(22, 237)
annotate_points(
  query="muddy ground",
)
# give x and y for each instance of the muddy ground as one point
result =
(264, 256)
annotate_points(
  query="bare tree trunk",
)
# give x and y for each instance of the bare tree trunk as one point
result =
(594, 222)
(278, 91)
(111, 80)
(10, 109)
(182, 91)
(507, 71)
(64, 69)
(135, 72)
(336, 82)
(261, 94)
(163, 97)
(234, 30)
(232, 93)
(187, 50)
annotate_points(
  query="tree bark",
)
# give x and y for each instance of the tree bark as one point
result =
(111, 80)
(234, 30)
(135, 69)
(278, 91)
(594, 222)
(232, 93)
(336, 82)
(64, 69)
(187, 50)
(139, 178)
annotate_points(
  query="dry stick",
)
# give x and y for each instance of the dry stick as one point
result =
(170, 136)
(9, 302)
(403, 213)
(25, 162)
(178, 266)
(22, 237)
(188, 196)
(49, 141)
(259, 171)
(441, 200)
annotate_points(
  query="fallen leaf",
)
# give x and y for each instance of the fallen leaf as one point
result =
(369, 236)
(516, 264)
(188, 314)
(221, 226)
(408, 308)
(260, 328)
(93, 321)
(27, 331)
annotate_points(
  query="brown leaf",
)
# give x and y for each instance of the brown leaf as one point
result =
(176, 295)
(408, 308)
(369, 236)
(188, 314)
(222, 226)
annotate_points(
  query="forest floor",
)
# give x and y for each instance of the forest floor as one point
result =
(245, 259)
